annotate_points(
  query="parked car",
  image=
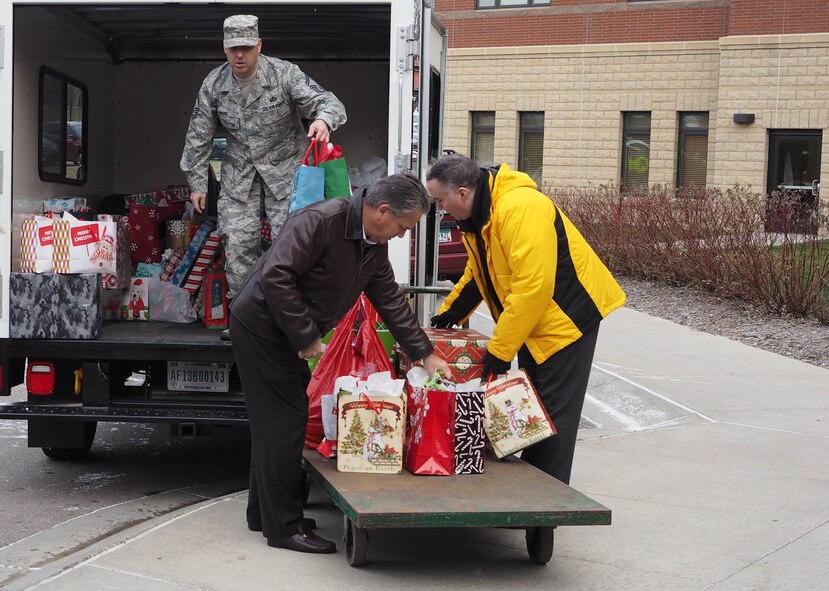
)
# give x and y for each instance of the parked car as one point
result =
(74, 141)
(451, 252)
(219, 147)
(52, 138)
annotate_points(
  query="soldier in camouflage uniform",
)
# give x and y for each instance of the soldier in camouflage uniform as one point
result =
(260, 101)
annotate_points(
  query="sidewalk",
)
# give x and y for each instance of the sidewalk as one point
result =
(711, 454)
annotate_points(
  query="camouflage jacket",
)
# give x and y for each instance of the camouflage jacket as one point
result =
(264, 133)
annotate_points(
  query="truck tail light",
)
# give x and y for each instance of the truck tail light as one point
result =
(40, 378)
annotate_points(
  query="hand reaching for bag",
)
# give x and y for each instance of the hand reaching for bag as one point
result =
(494, 367)
(313, 350)
(319, 130)
(433, 362)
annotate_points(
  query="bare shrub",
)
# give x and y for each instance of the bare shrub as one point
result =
(713, 239)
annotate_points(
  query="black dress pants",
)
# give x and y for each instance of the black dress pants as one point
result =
(561, 382)
(274, 380)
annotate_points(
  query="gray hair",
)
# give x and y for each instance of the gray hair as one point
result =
(403, 193)
(454, 171)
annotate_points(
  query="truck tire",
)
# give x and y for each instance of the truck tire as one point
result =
(71, 454)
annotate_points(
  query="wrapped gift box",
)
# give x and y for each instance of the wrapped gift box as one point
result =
(178, 233)
(370, 433)
(458, 345)
(463, 349)
(171, 264)
(61, 204)
(469, 433)
(208, 253)
(515, 417)
(192, 252)
(51, 306)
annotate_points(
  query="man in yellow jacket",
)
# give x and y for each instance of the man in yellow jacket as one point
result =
(545, 287)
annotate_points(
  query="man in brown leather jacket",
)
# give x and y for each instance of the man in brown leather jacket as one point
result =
(313, 273)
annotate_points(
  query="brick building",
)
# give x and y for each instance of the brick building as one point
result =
(685, 92)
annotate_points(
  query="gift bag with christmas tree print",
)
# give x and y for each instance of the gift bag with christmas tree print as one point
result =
(515, 416)
(371, 425)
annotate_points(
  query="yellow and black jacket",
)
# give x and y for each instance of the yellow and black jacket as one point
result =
(541, 280)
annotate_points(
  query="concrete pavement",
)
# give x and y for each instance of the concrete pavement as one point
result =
(711, 454)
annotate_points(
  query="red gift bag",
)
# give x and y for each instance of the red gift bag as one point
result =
(347, 353)
(430, 432)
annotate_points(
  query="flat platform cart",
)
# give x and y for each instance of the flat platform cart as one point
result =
(510, 493)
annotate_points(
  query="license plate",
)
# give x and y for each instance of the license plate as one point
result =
(192, 376)
(445, 235)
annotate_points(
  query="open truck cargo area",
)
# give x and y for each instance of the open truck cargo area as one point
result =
(141, 65)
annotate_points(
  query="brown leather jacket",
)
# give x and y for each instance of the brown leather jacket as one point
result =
(313, 274)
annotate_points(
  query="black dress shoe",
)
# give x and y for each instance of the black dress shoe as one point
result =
(312, 523)
(304, 540)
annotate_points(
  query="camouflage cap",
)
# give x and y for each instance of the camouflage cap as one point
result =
(241, 29)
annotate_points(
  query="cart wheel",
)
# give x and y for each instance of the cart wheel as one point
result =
(356, 542)
(306, 487)
(540, 544)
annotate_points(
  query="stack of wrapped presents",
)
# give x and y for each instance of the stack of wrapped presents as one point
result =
(79, 268)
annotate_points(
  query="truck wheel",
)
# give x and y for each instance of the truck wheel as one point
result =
(70, 454)
(540, 544)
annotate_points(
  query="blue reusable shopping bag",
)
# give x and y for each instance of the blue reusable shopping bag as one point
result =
(309, 181)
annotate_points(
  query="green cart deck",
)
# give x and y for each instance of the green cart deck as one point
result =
(509, 493)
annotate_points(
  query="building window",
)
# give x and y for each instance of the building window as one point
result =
(483, 137)
(636, 149)
(692, 160)
(511, 3)
(531, 144)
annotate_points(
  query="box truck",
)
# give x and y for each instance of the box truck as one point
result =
(121, 77)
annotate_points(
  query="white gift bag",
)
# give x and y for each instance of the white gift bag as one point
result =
(84, 247)
(329, 416)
